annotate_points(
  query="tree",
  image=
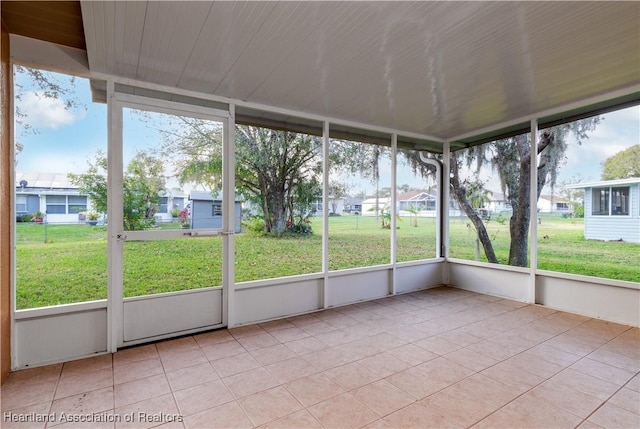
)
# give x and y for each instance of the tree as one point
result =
(278, 171)
(511, 158)
(623, 165)
(143, 182)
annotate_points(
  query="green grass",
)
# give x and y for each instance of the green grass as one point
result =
(72, 265)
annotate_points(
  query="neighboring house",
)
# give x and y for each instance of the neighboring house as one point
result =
(337, 207)
(369, 206)
(553, 204)
(52, 194)
(422, 201)
(611, 209)
(168, 201)
(498, 203)
(206, 211)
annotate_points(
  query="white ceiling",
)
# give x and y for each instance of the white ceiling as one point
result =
(442, 69)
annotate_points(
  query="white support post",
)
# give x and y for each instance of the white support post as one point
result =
(325, 214)
(393, 211)
(445, 191)
(533, 232)
(228, 227)
(115, 264)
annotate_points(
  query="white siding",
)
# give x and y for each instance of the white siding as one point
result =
(626, 228)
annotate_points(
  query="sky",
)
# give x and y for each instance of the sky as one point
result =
(66, 139)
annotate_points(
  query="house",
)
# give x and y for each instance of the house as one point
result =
(375, 206)
(170, 200)
(423, 202)
(611, 209)
(435, 77)
(553, 204)
(52, 194)
(206, 211)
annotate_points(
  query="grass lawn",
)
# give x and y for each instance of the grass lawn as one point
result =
(72, 265)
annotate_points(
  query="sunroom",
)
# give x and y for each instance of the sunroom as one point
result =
(408, 96)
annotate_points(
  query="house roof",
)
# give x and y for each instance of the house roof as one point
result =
(416, 195)
(44, 181)
(427, 71)
(629, 181)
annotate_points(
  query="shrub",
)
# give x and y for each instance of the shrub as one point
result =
(254, 224)
(24, 218)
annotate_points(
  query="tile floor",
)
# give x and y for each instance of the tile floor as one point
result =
(437, 358)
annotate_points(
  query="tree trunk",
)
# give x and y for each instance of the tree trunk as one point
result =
(460, 195)
(521, 218)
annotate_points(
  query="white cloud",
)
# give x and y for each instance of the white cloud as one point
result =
(44, 112)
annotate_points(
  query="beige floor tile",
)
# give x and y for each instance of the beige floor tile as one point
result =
(351, 376)
(493, 350)
(486, 390)
(182, 359)
(412, 354)
(335, 338)
(506, 373)
(627, 399)
(589, 425)
(235, 364)
(225, 416)
(250, 382)
(383, 397)
(616, 359)
(273, 354)
(313, 389)
(191, 376)
(568, 399)
(135, 370)
(343, 411)
(538, 413)
(471, 359)
(88, 365)
(214, 337)
(297, 420)
(103, 420)
(289, 334)
(149, 413)
(32, 376)
(276, 325)
(291, 369)
(259, 341)
(553, 355)
(269, 405)
(329, 358)
(222, 350)
(384, 364)
(417, 415)
(445, 370)
(246, 331)
(140, 390)
(612, 416)
(135, 354)
(416, 383)
(84, 382)
(436, 345)
(603, 371)
(532, 364)
(176, 345)
(306, 345)
(455, 408)
(584, 383)
(318, 328)
(202, 396)
(25, 417)
(502, 420)
(634, 383)
(95, 401)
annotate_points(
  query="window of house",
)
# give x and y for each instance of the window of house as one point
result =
(21, 203)
(56, 204)
(620, 201)
(163, 205)
(77, 204)
(600, 201)
(216, 210)
(610, 201)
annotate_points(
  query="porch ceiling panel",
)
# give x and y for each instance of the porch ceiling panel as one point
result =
(442, 69)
